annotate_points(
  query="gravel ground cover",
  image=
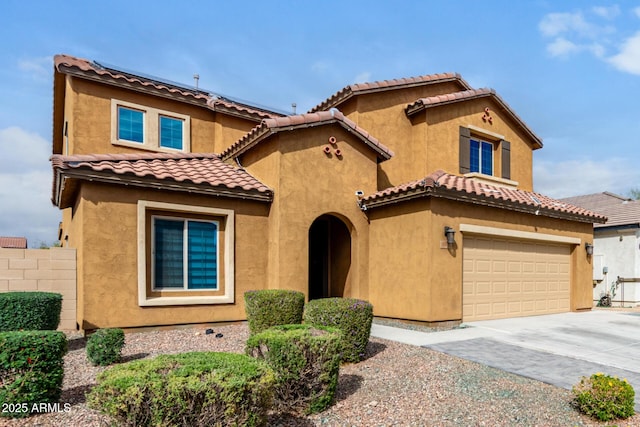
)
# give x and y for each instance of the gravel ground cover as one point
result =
(396, 385)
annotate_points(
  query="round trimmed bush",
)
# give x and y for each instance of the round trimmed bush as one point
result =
(31, 370)
(306, 361)
(351, 316)
(30, 311)
(188, 389)
(604, 397)
(104, 346)
(272, 307)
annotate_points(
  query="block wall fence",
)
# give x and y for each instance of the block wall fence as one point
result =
(48, 270)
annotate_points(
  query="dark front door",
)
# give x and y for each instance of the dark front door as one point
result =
(329, 257)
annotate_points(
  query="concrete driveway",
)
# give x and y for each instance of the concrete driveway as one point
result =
(557, 349)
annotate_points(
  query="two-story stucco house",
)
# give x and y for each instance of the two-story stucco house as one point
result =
(414, 194)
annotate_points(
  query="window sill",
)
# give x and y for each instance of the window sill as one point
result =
(493, 180)
(146, 147)
(200, 300)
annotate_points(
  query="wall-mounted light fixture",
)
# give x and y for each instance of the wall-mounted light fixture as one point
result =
(449, 234)
(589, 248)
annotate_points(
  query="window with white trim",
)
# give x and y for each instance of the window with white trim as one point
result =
(185, 254)
(140, 126)
(481, 157)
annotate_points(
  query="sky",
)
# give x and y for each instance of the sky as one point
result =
(570, 69)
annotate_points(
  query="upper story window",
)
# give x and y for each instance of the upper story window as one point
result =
(485, 153)
(481, 157)
(130, 124)
(171, 132)
(140, 126)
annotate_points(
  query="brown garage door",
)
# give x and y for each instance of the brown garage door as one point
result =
(511, 278)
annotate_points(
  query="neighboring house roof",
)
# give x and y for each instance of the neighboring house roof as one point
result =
(194, 173)
(450, 98)
(361, 88)
(621, 211)
(271, 126)
(442, 184)
(93, 70)
(13, 242)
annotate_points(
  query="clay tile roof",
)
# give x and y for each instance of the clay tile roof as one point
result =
(442, 184)
(359, 88)
(277, 124)
(93, 70)
(13, 242)
(466, 95)
(619, 210)
(203, 173)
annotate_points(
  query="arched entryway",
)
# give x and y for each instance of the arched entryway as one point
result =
(329, 257)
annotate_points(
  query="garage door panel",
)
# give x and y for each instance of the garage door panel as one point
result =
(511, 278)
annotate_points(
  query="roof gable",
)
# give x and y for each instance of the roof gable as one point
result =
(386, 85)
(272, 126)
(467, 95)
(442, 184)
(195, 173)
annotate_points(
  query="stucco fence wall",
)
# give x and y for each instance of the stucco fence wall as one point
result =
(48, 270)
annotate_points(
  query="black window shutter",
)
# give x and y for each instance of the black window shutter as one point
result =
(465, 150)
(506, 159)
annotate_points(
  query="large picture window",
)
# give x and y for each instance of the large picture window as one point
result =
(185, 254)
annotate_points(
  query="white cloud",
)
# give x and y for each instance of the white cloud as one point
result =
(25, 174)
(363, 77)
(319, 66)
(607, 12)
(636, 11)
(583, 176)
(628, 60)
(562, 47)
(38, 67)
(555, 24)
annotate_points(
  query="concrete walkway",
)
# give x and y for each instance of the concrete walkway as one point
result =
(557, 349)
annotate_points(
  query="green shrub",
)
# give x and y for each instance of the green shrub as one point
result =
(30, 311)
(352, 316)
(104, 346)
(273, 307)
(31, 369)
(188, 389)
(604, 397)
(306, 361)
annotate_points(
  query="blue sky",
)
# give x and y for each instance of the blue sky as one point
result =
(570, 70)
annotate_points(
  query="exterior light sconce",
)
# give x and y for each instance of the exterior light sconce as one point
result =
(589, 248)
(449, 234)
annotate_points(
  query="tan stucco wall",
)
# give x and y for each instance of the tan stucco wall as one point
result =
(430, 140)
(309, 183)
(442, 135)
(45, 270)
(411, 277)
(109, 281)
(88, 111)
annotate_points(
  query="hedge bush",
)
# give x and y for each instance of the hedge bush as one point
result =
(306, 360)
(104, 346)
(352, 316)
(273, 307)
(30, 311)
(188, 389)
(31, 369)
(604, 397)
